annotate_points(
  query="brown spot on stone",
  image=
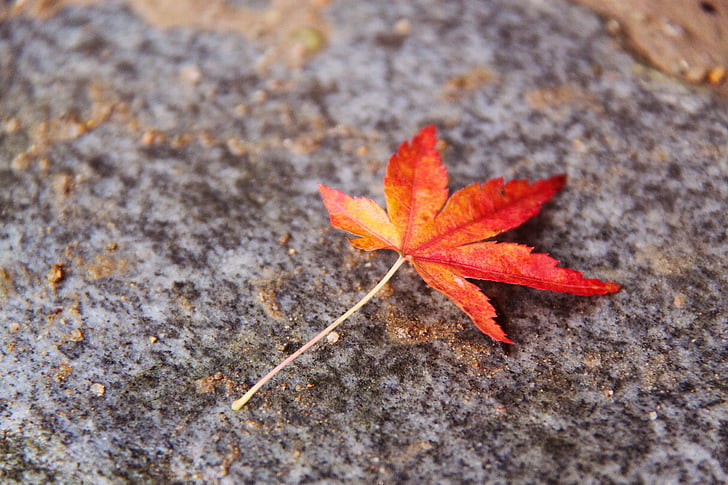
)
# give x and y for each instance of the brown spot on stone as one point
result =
(411, 452)
(402, 27)
(76, 335)
(53, 315)
(104, 266)
(558, 101)
(211, 383)
(11, 125)
(716, 75)
(546, 98)
(56, 273)
(21, 162)
(663, 262)
(6, 283)
(457, 86)
(64, 185)
(150, 137)
(45, 8)
(66, 128)
(266, 296)
(98, 389)
(404, 329)
(592, 361)
(236, 146)
(63, 371)
(333, 337)
(190, 74)
(230, 457)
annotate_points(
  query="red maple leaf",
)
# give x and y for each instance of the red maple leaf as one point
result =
(446, 240)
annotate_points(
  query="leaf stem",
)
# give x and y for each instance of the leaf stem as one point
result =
(241, 402)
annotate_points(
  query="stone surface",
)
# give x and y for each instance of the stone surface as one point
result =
(162, 245)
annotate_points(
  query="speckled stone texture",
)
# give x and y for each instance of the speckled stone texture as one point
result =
(163, 244)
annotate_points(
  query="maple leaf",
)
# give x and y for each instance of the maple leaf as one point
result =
(446, 240)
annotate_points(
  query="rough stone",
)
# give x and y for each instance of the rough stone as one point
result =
(162, 245)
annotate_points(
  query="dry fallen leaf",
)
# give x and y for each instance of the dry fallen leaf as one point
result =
(446, 239)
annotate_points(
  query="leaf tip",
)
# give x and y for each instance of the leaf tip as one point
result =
(430, 130)
(558, 181)
(610, 287)
(505, 340)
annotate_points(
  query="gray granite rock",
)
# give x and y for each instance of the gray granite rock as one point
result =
(163, 244)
